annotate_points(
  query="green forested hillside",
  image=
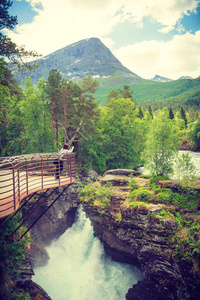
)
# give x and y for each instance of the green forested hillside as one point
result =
(175, 93)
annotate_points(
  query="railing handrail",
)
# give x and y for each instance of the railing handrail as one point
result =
(23, 175)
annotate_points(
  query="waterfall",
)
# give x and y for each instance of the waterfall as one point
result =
(78, 267)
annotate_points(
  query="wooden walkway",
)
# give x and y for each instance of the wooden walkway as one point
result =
(21, 176)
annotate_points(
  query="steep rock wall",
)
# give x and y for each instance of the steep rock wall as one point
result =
(135, 235)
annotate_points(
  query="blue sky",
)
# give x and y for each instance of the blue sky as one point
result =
(148, 36)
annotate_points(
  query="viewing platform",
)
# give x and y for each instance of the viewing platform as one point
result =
(24, 175)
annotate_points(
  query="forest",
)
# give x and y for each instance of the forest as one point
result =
(121, 134)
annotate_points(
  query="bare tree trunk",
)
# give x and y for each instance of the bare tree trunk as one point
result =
(52, 122)
(57, 133)
(79, 149)
(65, 122)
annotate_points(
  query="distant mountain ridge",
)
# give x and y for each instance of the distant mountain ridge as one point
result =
(159, 78)
(78, 60)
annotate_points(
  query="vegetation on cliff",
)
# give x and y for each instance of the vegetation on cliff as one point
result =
(176, 202)
(12, 256)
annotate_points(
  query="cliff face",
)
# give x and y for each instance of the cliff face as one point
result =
(136, 235)
(55, 221)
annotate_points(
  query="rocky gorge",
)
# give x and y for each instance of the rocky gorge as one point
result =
(136, 234)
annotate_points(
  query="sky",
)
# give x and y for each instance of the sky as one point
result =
(149, 37)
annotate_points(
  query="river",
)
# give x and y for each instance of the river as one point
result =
(79, 268)
(195, 159)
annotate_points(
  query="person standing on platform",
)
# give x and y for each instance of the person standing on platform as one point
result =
(58, 162)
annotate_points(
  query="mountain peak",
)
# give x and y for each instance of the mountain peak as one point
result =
(83, 58)
(159, 78)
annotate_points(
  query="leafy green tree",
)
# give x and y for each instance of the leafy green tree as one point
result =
(86, 110)
(53, 89)
(12, 256)
(10, 93)
(16, 54)
(121, 133)
(161, 145)
(36, 136)
(69, 91)
(121, 93)
(184, 167)
(195, 134)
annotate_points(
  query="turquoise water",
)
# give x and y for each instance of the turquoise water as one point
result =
(79, 269)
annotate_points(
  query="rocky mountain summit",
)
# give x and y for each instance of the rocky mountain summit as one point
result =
(81, 59)
(159, 78)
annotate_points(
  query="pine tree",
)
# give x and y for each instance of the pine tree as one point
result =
(171, 114)
(150, 111)
(53, 90)
(183, 116)
(140, 113)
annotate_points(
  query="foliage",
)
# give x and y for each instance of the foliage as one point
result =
(122, 134)
(132, 184)
(121, 93)
(184, 168)
(141, 194)
(172, 94)
(186, 244)
(10, 93)
(14, 53)
(161, 145)
(195, 134)
(36, 136)
(99, 196)
(183, 116)
(171, 114)
(12, 254)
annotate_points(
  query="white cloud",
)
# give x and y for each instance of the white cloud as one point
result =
(167, 13)
(173, 59)
(62, 22)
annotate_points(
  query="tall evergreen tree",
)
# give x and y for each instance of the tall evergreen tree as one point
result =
(140, 113)
(150, 111)
(183, 115)
(53, 89)
(171, 114)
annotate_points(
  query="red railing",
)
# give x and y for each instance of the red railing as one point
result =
(23, 175)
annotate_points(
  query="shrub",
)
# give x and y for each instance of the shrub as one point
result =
(165, 196)
(12, 255)
(142, 194)
(132, 184)
(96, 195)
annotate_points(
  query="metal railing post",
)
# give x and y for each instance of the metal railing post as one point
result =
(14, 191)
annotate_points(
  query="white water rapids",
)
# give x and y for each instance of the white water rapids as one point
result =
(78, 267)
